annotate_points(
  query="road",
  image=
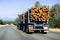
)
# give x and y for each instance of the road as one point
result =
(12, 33)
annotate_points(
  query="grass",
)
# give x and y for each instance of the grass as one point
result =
(2, 26)
(54, 29)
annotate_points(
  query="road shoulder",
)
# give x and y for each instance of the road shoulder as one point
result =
(54, 30)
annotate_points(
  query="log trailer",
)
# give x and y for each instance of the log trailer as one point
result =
(35, 19)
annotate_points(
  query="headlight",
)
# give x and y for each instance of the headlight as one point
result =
(45, 27)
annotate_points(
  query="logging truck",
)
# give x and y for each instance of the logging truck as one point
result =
(35, 19)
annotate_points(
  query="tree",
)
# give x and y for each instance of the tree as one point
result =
(1, 22)
(55, 11)
(37, 4)
(16, 21)
(55, 16)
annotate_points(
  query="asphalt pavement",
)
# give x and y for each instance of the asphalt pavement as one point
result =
(11, 32)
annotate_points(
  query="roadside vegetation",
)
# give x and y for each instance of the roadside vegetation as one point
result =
(5, 22)
(54, 21)
(2, 23)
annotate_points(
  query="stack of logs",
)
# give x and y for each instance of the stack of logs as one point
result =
(39, 14)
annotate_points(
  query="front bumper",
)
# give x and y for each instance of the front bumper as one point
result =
(45, 30)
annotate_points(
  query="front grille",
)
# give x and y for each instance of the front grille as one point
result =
(39, 27)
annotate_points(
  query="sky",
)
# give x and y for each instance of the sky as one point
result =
(11, 8)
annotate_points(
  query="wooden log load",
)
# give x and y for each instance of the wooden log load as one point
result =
(39, 14)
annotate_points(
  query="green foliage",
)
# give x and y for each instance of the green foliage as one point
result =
(55, 10)
(54, 21)
(15, 22)
(37, 4)
(1, 22)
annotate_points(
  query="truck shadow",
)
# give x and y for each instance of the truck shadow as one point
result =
(35, 32)
(38, 32)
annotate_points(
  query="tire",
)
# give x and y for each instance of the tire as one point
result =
(42, 31)
(20, 27)
(17, 27)
(23, 29)
(27, 31)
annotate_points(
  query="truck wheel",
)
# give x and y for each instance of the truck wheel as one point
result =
(23, 29)
(20, 27)
(17, 27)
(27, 30)
(42, 31)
